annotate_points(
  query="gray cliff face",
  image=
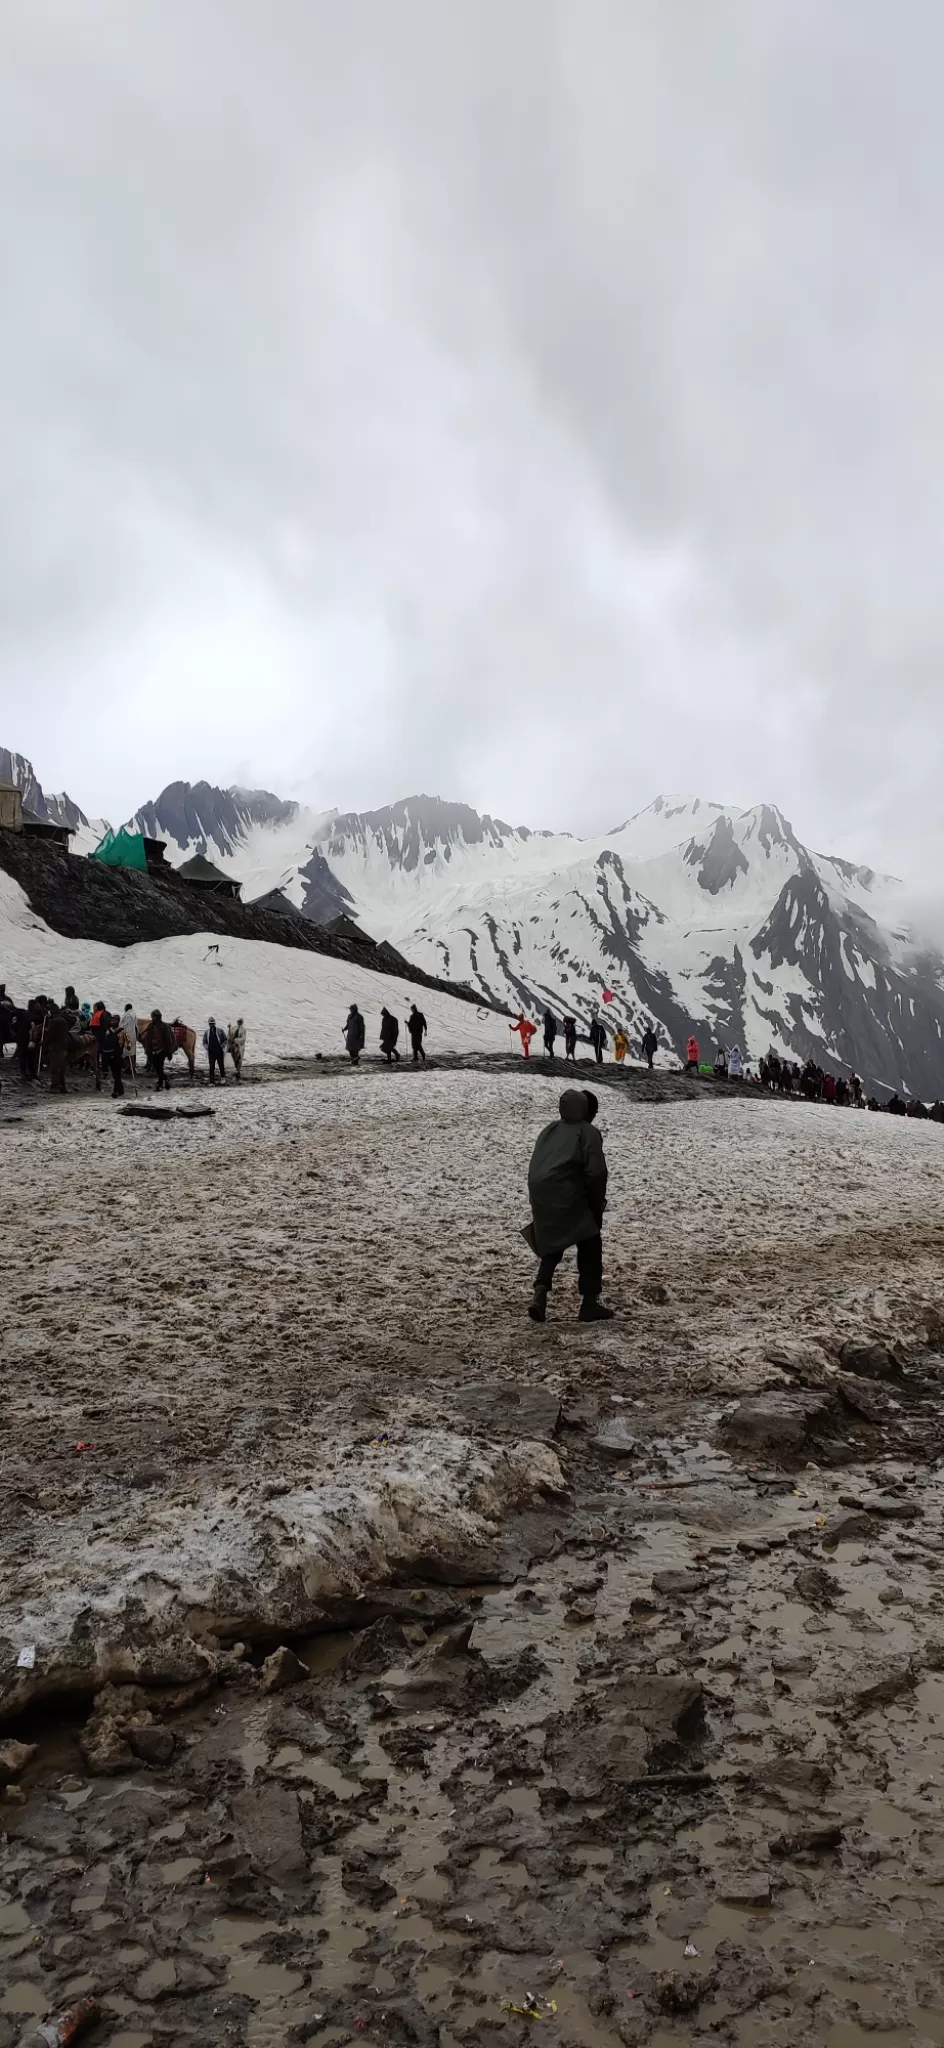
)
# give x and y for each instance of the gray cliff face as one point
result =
(63, 811)
(55, 810)
(206, 818)
(719, 860)
(419, 829)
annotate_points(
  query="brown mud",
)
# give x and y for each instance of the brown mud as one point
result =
(658, 1759)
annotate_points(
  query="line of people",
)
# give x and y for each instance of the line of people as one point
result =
(597, 1034)
(354, 1034)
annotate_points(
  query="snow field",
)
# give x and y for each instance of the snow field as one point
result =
(293, 1003)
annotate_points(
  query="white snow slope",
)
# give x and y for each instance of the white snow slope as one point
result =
(293, 1003)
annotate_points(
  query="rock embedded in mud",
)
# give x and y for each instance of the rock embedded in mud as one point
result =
(363, 1879)
(874, 1682)
(846, 1525)
(153, 1743)
(283, 1668)
(816, 1586)
(681, 1991)
(803, 1362)
(583, 1609)
(382, 1644)
(743, 1888)
(267, 1821)
(871, 1362)
(679, 1584)
(14, 1757)
(864, 1397)
(615, 1439)
(778, 1421)
(795, 1780)
(105, 1747)
(613, 1738)
(891, 1507)
(791, 1663)
(809, 1841)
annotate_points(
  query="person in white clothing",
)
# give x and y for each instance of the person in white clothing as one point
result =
(129, 1035)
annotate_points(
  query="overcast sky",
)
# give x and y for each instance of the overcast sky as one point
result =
(535, 402)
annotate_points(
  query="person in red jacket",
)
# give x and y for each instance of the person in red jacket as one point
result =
(692, 1055)
(526, 1031)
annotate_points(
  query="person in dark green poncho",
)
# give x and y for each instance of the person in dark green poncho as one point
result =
(567, 1190)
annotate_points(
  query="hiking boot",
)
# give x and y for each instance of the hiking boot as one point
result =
(592, 1311)
(537, 1307)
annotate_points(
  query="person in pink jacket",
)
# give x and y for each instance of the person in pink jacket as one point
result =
(692, 1055)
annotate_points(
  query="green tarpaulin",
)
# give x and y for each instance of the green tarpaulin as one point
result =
(122, 850)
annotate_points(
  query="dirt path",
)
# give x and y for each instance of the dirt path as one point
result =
(291, 1338)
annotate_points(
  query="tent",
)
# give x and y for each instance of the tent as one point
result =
(121, 850)
(201, 874)
(344, 928)
(277, 901)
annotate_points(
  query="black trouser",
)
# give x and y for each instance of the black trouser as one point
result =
(216, 1060)
(115, 1063)
(419, 1050)
(157, 1062)
(390, 1053)
(570, 1048)
(57, 1073)
(589, 1267)
(23, 1055)
(599, 1053)
(691, 1066)
(353, 1053)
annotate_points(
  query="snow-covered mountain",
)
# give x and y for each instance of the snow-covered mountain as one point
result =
(691, 914)
(265, 842)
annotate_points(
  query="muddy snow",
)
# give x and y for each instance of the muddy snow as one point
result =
(376, 1665)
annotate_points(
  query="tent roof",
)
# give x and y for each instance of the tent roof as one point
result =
(344, 928)
(46, 824)
(199, 869)
(276, 899)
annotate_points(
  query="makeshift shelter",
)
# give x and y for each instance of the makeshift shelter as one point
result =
(344, 928)
(388, 952)
(154, 851)
(43, 828)
(121, 849)
(11, 808)
(282, 905)
(200, 873)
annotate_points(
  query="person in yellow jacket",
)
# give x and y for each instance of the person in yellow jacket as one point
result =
(621, 1045)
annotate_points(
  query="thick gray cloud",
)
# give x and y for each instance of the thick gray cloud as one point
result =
(535, 401)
